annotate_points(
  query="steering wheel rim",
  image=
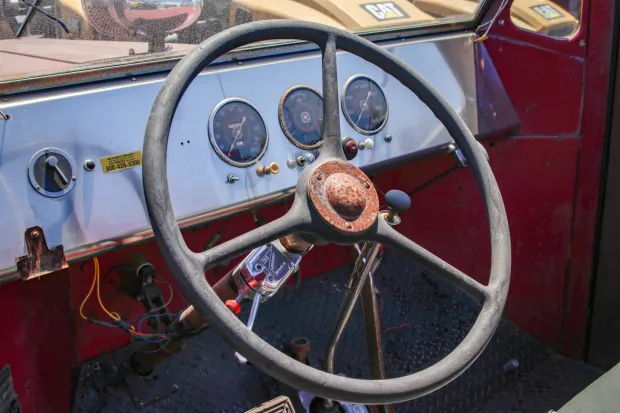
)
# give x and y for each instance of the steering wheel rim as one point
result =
(189, 268)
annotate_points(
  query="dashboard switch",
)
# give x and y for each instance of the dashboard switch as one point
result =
(231, 178)
(350, 147)
(270, 169)
(367, 144)
(305, 159)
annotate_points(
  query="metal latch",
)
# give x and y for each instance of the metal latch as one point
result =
(40, 259)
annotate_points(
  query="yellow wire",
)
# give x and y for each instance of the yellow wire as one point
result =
(114, 315)
(92, 287)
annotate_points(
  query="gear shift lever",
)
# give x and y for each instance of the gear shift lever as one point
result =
(397, 201)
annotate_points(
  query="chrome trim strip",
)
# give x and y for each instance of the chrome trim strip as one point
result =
(9, 274)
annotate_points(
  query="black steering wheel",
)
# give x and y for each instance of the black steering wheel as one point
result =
(334, 202)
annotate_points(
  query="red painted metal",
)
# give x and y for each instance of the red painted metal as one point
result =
(38, 341)
(545, 97)
(595, 102)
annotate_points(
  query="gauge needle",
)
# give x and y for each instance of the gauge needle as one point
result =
(364, 106)
(238, 127)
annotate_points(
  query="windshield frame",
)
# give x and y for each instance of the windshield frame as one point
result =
(157, 64)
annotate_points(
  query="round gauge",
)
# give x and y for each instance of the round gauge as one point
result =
(301, 116)
(237, 132)
(364, 105)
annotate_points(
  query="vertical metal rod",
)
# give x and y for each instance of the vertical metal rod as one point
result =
(373, 330)
(29, 14)
(358, 278)
(251, 318)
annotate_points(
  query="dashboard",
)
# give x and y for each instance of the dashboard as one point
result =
(70, 160)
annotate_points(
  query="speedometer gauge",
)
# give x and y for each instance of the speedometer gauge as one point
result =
(237, 132)
(364, 105)
(301, 116)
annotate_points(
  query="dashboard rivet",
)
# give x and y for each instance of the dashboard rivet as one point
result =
(388, 138)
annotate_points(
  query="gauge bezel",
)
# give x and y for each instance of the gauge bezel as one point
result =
(214, 145)
(346, 113)
(281, 117)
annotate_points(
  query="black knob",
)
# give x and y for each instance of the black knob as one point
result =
(397, 201)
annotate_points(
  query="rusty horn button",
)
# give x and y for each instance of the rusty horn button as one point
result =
(343, 196)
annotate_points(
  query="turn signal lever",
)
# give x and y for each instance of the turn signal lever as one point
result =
(263, 272)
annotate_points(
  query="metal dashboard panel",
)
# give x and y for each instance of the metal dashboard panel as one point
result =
(106, 210)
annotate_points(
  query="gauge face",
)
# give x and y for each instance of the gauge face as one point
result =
(237, 132)
(364, 105)
(301, 117)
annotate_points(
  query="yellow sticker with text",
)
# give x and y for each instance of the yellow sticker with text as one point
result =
(122, 161)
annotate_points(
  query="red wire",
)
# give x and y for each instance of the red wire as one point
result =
(395, 328)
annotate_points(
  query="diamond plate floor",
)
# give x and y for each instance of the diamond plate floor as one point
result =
(423, 319)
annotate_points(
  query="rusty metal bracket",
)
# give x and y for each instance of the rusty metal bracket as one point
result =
(40, 259)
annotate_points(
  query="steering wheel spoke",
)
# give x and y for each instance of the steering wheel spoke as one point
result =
(388, 236)
(332, 146)
(294, 220)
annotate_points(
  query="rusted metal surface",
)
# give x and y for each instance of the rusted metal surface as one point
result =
(300, 347)
(40, 259)
(294, 243)
(344, 196)
(280, 404)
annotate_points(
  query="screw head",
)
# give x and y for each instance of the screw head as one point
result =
(37, 187)
(34, 234)
(348, 225)
(318, 176)
(388, 138)
(367, 185)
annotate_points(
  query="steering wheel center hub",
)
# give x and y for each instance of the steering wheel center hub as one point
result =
(344, 196)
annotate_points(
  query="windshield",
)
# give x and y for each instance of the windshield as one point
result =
(43, 37)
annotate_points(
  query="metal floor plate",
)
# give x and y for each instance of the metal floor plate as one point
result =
(423, 319)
